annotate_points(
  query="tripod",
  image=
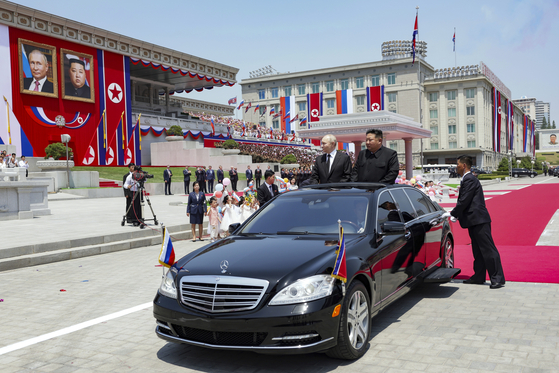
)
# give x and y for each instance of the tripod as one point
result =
(142, 193)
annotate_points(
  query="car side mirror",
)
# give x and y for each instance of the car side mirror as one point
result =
(233, 227)
(393, 228)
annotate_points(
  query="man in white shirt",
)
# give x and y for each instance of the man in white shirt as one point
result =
(23, 163)
(134, 215)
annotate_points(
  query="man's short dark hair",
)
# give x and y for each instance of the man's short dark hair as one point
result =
(131, 164)
(137, 168)
(466, 159)
(268, 173)
(75, 60)
(376, 132)
(553, 135)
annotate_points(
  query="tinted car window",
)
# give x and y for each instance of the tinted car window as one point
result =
(387, 210)
(408, 213)
(420, 201)
(311, 213)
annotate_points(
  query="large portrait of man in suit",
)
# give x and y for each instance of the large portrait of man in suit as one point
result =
(77, 76)
(37, 68)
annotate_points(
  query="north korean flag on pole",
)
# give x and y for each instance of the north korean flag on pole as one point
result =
(93, 151)
(115, 100)
(415, 34)
(314, 106)
(375, 98)
(129, 153)
(496, 96)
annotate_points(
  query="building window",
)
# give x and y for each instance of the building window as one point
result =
(375, 80)
(394, 145)
(262, 124)
(344, 84)
(331, 103)
(360, 100)
(470, 110)
(470, 93)
(359, 82)
(262, 110)
(261, 94)
(433, 96)
(330, 86)
(301, 89)
(472, 144)
(433, 113)
(452, 145)
(434, 146)
(452, 128)
(274, 92)
(275, 124)
(435, 130)
(315, 87)
(287, 91)
(451, 95)
(391, 79)
(392, 97)
(451, 112)
(302, 106)
(471, 127)
(392, 111)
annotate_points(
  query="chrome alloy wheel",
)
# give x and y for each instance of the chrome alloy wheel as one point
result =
(358, 320)
(448, 253)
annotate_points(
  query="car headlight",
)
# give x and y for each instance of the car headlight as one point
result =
(168, 287)
(305, 290)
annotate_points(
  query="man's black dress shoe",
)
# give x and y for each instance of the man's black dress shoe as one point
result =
(496, 286)
(474, 282)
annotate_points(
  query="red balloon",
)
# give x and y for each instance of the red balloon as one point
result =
(400, 173)
(218, 194)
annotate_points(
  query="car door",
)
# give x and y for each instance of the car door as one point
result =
(432, 224)
(396, 266)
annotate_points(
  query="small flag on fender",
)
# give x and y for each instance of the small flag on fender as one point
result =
(340, 271)
(167, 254)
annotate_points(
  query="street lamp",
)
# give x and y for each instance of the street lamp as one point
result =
(533, 165)
(65, 139)
(510, 163)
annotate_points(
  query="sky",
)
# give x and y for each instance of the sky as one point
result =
(517, 40)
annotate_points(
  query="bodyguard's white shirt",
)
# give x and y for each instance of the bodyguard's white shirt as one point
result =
(130, 182)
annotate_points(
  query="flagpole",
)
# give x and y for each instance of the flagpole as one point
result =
(455, 65)
(140, 129)
(419, 89)
(8, 112)
(163, 243)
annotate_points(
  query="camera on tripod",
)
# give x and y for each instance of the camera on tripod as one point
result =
(140, 176)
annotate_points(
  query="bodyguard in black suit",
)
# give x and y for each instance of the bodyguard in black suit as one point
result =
(220, 175)
(377, 164)
(167, 174)
(210, 177)
(257, 176)
(248, 174)
(264, 193)
(332, 166)
(472, 214)
(186, 172)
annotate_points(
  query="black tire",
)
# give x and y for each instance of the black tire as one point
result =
(515, 175)
(532, 176)
(356, 308)
(447, 253)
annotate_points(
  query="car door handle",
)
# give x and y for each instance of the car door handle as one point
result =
(435, 222)
(407, 235)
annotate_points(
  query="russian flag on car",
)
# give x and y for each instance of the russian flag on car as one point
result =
(167, 254)
(344, 101)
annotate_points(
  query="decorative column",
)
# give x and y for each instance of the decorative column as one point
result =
(150, 92)
(357, 147)
(133, 92)
(409, 157)
(166, 100)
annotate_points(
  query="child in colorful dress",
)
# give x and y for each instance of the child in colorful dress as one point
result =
(215, 219)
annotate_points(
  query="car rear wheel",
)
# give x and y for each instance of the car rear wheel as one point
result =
(515, 175)
(532, 176)
(447, 253)
(354, 329)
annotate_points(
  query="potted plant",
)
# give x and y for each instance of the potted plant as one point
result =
(53, 153)
(174, 133)
(230, 147)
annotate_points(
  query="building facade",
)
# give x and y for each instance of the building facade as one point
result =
(542, 111)
(456, 104)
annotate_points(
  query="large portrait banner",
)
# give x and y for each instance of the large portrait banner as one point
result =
(37, 68)
(77, 76)
(549, 139)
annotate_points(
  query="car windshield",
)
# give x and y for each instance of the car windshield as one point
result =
(311, 214)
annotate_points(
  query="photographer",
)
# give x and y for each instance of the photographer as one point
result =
(127, 193)
(132, 183)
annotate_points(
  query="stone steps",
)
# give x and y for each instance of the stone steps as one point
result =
(32, 255)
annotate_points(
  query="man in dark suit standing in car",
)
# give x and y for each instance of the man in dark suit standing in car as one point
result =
(332, 166)
(268, 189)
(377, 164)
(471, 212)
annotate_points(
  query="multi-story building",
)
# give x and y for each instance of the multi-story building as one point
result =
(454, 103)
(542, 111)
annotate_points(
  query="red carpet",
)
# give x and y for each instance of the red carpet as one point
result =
(518, 220)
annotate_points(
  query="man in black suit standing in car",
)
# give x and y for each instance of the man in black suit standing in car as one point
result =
(377, 164)
(471, 212)
(268, 189)
(332, 166)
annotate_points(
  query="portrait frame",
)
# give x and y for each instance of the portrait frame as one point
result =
(25, 75)
(65, 56)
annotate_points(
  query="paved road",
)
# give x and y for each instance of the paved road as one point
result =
(103, 322)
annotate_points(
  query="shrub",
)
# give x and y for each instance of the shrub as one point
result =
(230, 144)
(257, 159)
(175, 131)
(57, 150)
(504, 165)
(289, 159)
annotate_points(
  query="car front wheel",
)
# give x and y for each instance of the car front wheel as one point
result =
(354, 329)
(532, 176)
(515, 175)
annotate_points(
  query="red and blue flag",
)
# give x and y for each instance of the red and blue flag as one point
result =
(340, 270)
(167, 254)
(415, 34)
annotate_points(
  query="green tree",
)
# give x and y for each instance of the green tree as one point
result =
(544, 124)
(289, 159)
(503, 165)
(57, 150)
(537, 141)
(230, 144)
(175, 131)
(553, 125)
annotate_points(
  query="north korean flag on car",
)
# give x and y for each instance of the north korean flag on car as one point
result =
(314, 106)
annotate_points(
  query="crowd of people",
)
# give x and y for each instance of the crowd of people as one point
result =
(10, 161)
